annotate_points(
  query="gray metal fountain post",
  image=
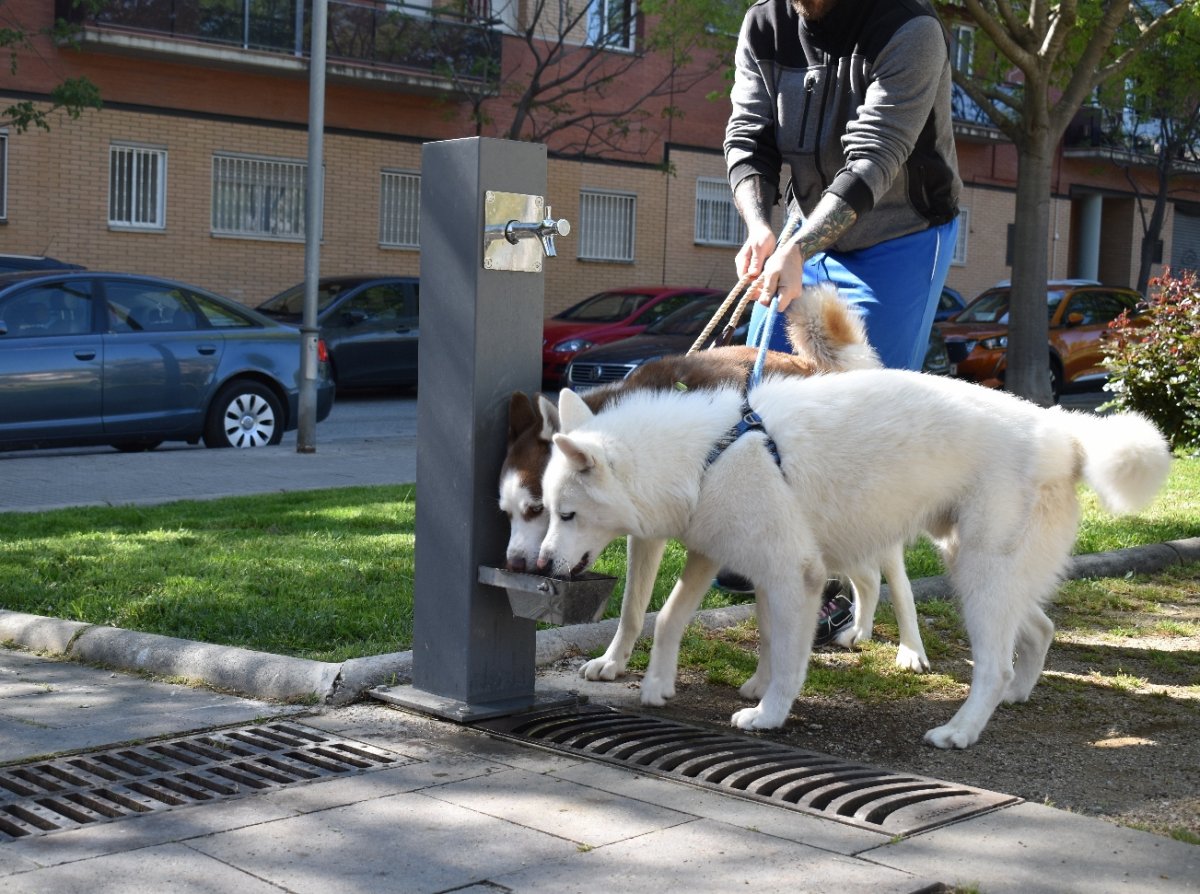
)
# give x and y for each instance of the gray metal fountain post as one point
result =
(485, 234)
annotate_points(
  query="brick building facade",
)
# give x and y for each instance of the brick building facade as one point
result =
(191, 171)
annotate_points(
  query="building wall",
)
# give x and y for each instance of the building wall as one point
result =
(58, 190)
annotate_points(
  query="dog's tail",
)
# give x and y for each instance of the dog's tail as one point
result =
(828, 332)
(1125, 458)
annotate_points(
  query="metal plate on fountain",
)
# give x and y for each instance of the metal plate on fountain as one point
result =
(552, 600)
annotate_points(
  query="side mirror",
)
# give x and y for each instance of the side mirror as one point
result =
(1074, 318)
(354, 316)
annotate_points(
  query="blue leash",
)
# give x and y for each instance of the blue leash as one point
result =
(764, 340)
(750, 420)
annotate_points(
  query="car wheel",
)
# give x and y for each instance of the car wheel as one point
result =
(244, 414)
(135, 446)
(1056, 377)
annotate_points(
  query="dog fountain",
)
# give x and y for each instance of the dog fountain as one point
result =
(552, 600)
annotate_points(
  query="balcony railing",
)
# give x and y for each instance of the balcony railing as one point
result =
(376, 33)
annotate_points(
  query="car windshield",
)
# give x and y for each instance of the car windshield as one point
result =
(992, 307)
(291, 302)
(688, 320)
(607, 307)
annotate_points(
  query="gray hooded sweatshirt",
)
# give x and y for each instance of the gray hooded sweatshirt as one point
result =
(857, 104)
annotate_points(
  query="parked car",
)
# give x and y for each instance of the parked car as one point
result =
(675, 334)
(369, 323)
(132, 361)
(15, 263)
(950, 303)
(1079, 312)
(608, 317)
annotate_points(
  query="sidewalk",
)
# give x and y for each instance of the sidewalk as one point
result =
(429, 806)
(450, 809)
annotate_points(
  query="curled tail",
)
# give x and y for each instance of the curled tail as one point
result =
(829, 333)
(1125, 459)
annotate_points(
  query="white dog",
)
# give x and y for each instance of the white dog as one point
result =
(829, 336)
(867, 459)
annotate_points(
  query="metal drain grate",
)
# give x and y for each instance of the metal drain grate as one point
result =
(65, 793)
(858, 794)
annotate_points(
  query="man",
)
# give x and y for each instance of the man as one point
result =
(853, 96)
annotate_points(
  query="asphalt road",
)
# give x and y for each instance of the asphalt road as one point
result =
(367, 439)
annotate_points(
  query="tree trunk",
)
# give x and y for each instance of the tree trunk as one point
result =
(1153, 232)
(1028, 327)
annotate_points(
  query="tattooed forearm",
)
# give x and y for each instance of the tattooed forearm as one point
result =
(753, 198)
(828, 222)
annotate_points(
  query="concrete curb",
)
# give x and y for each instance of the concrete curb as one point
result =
(264, 675)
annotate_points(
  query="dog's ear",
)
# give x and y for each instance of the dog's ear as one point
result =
(521, 415)
(572, 411)
(549, 414)
(580, 457)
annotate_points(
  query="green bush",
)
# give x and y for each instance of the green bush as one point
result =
(1154, 359)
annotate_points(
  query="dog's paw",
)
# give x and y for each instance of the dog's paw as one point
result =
(655, 693)
(754, 688)
(602, 668)
(911, 660)
(852, 636)
(754, 718)
(950, 736)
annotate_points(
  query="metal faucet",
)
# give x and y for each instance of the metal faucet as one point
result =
(514, 231)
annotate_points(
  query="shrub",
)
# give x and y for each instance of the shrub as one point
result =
(1154, 359)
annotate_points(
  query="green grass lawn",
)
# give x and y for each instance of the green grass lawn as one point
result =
(328, 574)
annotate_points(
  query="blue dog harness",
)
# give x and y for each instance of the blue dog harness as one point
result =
(751, 421)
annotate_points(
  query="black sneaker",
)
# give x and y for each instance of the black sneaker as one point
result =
(837, 613)
(732, 583)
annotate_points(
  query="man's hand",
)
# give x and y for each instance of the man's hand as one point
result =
(759, 245)
(783, 275)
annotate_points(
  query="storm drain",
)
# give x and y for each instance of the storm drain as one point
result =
(65, 793)
(807, 781)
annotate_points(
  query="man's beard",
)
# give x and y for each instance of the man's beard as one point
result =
(813, 10)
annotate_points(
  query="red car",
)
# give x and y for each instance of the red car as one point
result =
(608, 316)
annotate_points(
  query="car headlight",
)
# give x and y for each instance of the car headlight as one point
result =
(573, 345)
(999, 343)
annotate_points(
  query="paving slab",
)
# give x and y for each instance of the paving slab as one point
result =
(48, 707)
(410, 843)
(1032, 849)
(172, 867)
(710, 856)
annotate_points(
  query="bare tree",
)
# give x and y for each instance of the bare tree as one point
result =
(1158, 118)
(1048, 58)
(587, 77)
(71, 95)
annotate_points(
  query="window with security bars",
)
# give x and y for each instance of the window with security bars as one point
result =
(137, 187)
(258, 197)
(960, 244)
(607, 226)
(610, 23)
(717, 220)
(400, 209)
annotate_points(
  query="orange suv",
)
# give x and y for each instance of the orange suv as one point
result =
(1079, 310)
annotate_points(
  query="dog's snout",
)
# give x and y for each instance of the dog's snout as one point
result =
(516, 564)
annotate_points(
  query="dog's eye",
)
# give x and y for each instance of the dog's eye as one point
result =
(566, 516)
(535, 510)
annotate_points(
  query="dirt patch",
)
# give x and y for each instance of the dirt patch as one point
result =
(1112, 728)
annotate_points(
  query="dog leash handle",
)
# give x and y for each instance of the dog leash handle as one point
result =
(764, 340)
